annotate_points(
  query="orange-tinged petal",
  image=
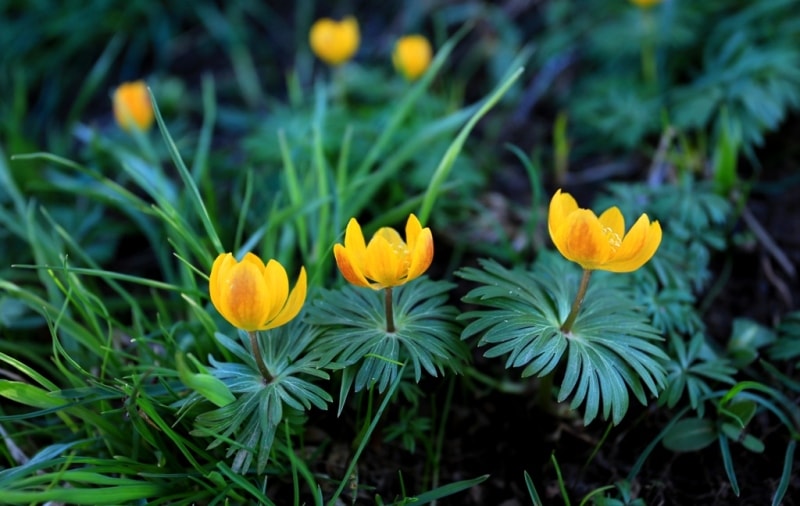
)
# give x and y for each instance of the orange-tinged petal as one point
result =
(581, 239)
(354, 243)
(613, 220)
(132, 106)
(245, 296)
(638, 246)
(214, 280)
(421, 254)
(384, 265)
(293, 304)
(347, 267)
(561, 206)
(278, 282)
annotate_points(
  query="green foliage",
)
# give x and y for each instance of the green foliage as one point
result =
(120, 382)
(355, 338)
(693, 372)
(700, 66)
(249, 422)
(610, 349)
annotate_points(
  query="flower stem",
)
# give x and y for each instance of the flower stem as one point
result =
(576, 304)
(648, 49)
(388, 307)
(262, 368)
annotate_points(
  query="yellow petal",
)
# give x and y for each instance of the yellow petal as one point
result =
(638, 246)
(384, 265)
(421, 254)
(354, 243)
(293, 304)
(278, 282)
(347, 267)
(245, 296)
(613, 220)
(581, 239)
(215, 280)
(561, 206)
(413, 228)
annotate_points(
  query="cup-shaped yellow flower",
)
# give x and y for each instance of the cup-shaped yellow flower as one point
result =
(412, 56)
(600, 243)
(645, 4)
(334, 42)
(252, 295)
(387, 260)
(132, 106)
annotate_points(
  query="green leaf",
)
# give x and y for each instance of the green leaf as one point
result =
(747, 337)
(690, 434)
(448, 490)
(354, 335)
(206, 385)
(29, 395)
(609, 352)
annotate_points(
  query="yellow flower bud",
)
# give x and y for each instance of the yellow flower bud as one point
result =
(334, 42)
(387, 260)
(412, 55)
(132, 106)
(254, 296)
(601, 243)
(645, 4)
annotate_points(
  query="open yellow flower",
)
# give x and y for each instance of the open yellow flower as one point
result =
(132, 106)
(412, 56)
(387, 260)
(334, 42)
(254, 296)
(601, 243)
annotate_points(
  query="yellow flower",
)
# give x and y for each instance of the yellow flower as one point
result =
(412, 56)
(132, 106)
(253, 296)
(645, 4)
(334, 42)
(601, 243)
(387, 260)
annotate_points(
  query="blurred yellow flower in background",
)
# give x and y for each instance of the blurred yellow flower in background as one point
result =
(335, 42)
(387, 260)
(601, 243)
(412, 55)
(254, 296)
(132, 106)
(645, 4)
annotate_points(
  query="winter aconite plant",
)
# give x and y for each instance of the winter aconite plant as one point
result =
(594, 340)
(390, 315)
(273, 372)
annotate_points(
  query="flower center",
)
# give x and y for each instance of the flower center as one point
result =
(614, 240)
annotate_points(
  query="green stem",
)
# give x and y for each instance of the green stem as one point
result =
(576, 304)
(648, 49)
(259, 359)
(388, 307)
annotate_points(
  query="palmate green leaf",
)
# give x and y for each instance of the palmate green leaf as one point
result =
(610, 349)
(354, 332)
(694, 371)
(250, 422)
